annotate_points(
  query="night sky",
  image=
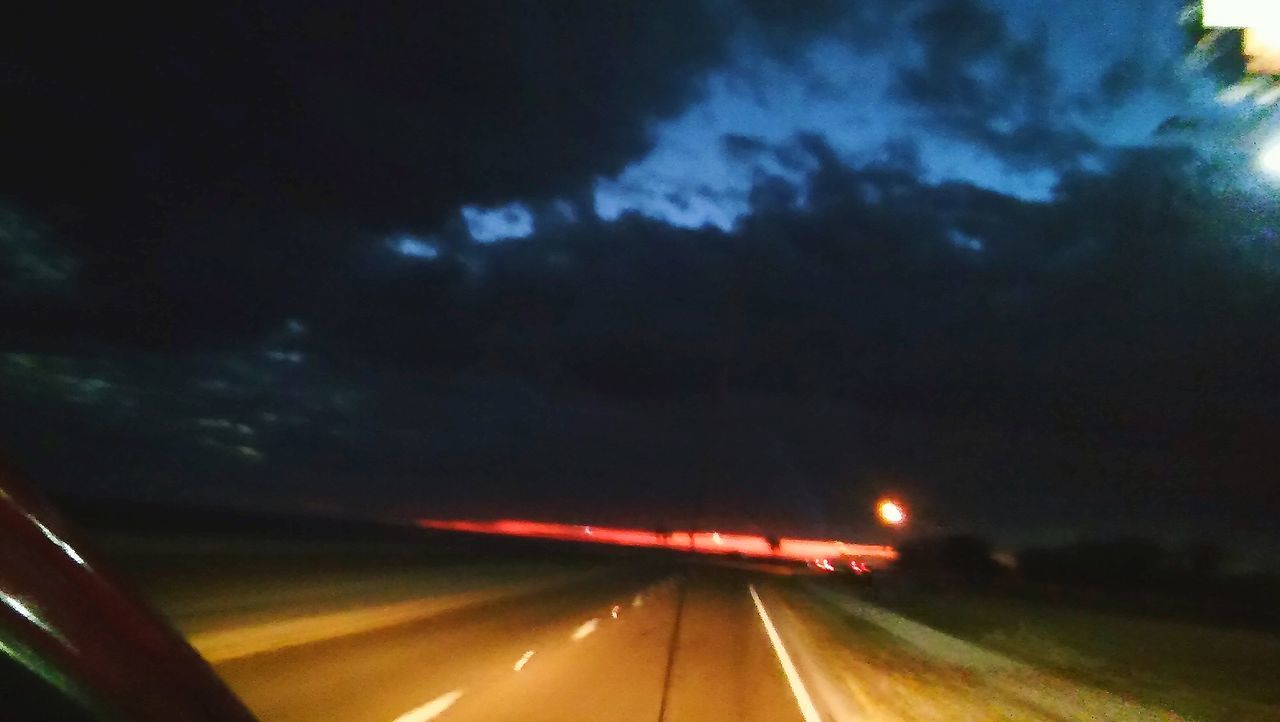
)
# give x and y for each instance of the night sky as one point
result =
(616, 262)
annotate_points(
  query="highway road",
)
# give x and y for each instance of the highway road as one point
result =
(597, 649)
(578, 640)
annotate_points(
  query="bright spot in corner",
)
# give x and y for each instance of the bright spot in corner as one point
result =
(1269, 160)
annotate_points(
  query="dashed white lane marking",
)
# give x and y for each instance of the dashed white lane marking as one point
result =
(432, 709)
(614, 612)
(524, 659)
(587, 628)
(807, 710)
(637, 601)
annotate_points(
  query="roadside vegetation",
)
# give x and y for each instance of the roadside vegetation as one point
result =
(1122, 616)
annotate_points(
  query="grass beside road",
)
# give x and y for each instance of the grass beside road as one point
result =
(1198, 671)
(880, 666)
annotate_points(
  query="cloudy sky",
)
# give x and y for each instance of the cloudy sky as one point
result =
(619, 261)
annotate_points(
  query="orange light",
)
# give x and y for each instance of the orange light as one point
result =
(891, 512)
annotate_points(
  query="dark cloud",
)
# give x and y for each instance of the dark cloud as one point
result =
(784, 27)
(1114, 314)
(31, 262)
(232, 247)
(185, 151)
(1125, 79)
(387, 112)
(1122, 79)
(282, 137)
(1104, 350)
(745, 147)
(980, 83)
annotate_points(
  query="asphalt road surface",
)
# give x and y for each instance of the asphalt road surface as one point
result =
(577, 641)
(596, 649)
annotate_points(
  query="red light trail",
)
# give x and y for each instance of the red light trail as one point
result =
(705, 542)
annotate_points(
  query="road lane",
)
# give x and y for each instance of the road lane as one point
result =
(380, 675)
(288, 629)
(608, 647)
(591, 651)
(798, 688)
(725, 668)
(613, 673)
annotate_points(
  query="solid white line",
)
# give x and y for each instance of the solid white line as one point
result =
(807, 710)
(432, 709)
(585, 629)
(524, 659)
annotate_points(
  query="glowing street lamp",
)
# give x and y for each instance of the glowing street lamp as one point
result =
(891, 512)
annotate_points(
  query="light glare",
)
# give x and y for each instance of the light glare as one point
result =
(24, 611)
(1269, 160)
(1237, 13)
(65, 547)
(891, 512)
(1261, 22)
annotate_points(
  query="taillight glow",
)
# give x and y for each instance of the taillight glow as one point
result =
(750, 545)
